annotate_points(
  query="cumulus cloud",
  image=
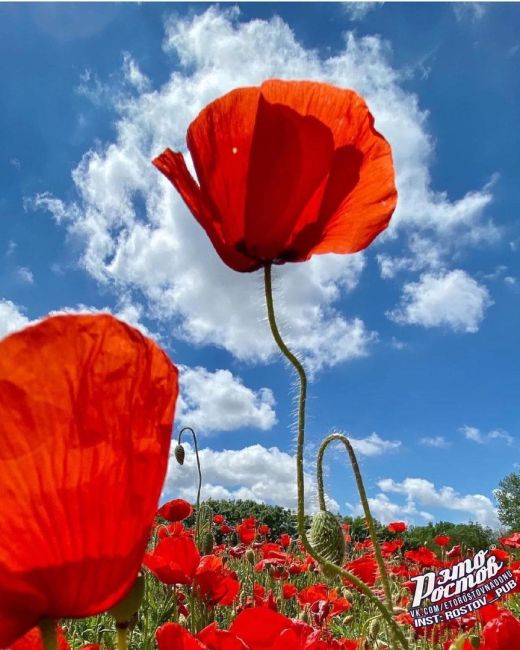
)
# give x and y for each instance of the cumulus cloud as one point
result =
(385, 510)
(438, 442)
(12, 318)
(475, 435)
(25, 275)
(419, 491)
(374, 445)
(357, 11)
(469, 11)
(266, 475)
(453, 299)
(137, 234)
(218, 401)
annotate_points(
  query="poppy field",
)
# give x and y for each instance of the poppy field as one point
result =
(284, 171)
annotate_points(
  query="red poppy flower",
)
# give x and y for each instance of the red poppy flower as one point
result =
(285, 540)
(215, 584)
(289, 590)
(502, 633)
(218, 519)
(397, 527)
(246, 532)
(259, 627)
(86, 410)
(364, 568)
(422, 556)
(442, 540)
(455, 552)
(215, 639)
(172, 636)
(285, 171)
(225, 529)
(33, 641)
(512, 541)
(174, 560)
(175, 510)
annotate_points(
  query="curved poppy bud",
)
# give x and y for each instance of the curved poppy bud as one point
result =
(86, 411)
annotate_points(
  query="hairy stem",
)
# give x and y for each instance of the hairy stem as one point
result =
(197, 516)
(333, 568)
(364, 502)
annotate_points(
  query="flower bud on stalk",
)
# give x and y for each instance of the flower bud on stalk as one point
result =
(327, 538)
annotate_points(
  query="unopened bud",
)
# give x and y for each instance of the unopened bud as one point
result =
(179, 454)
(374, 628)
(250, 556)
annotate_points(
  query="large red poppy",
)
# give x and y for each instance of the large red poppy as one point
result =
(86, 410)
(285, 171)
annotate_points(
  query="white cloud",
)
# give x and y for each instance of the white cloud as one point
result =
(25, 275)
(218, 401)
(266, 475)
(373, 445)
(137, 233)
(133, 74)
(12, 318)
(386, 511)
(475, 435)
(469, 11)
(357, 11)
(419, 491)
(438, 442)
(454, 300)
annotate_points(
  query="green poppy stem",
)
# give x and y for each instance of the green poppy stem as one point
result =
(49, 635)
(364, 502)
(122, 638)
(197, 516)
(397, 634)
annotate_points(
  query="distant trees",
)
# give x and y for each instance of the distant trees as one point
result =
(508, 499)
(281, 520)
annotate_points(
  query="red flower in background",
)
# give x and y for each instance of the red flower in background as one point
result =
(512, 541)
(86, 410)
(501, 633)
(33, 641)
(246, 531)
(397, 527)
(175, 510)
(442, 540)
(365, 568)
(423, 556)
(285, 171)
(174, 560)
(218, 519)
(214, 582)
(455, 553)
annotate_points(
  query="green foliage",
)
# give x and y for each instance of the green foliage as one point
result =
(278, 519)
(468, 535)
(508, 499)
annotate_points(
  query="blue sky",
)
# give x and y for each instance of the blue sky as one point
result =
(413, 345)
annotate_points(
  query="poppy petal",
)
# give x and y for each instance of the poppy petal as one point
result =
(86, 410)
(173, 166)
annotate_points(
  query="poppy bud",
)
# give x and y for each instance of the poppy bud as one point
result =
(126, 608)
(327, 538)
(179, 454)
(474, 640)
(206, 543)
(250, 556)
(374, 628)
